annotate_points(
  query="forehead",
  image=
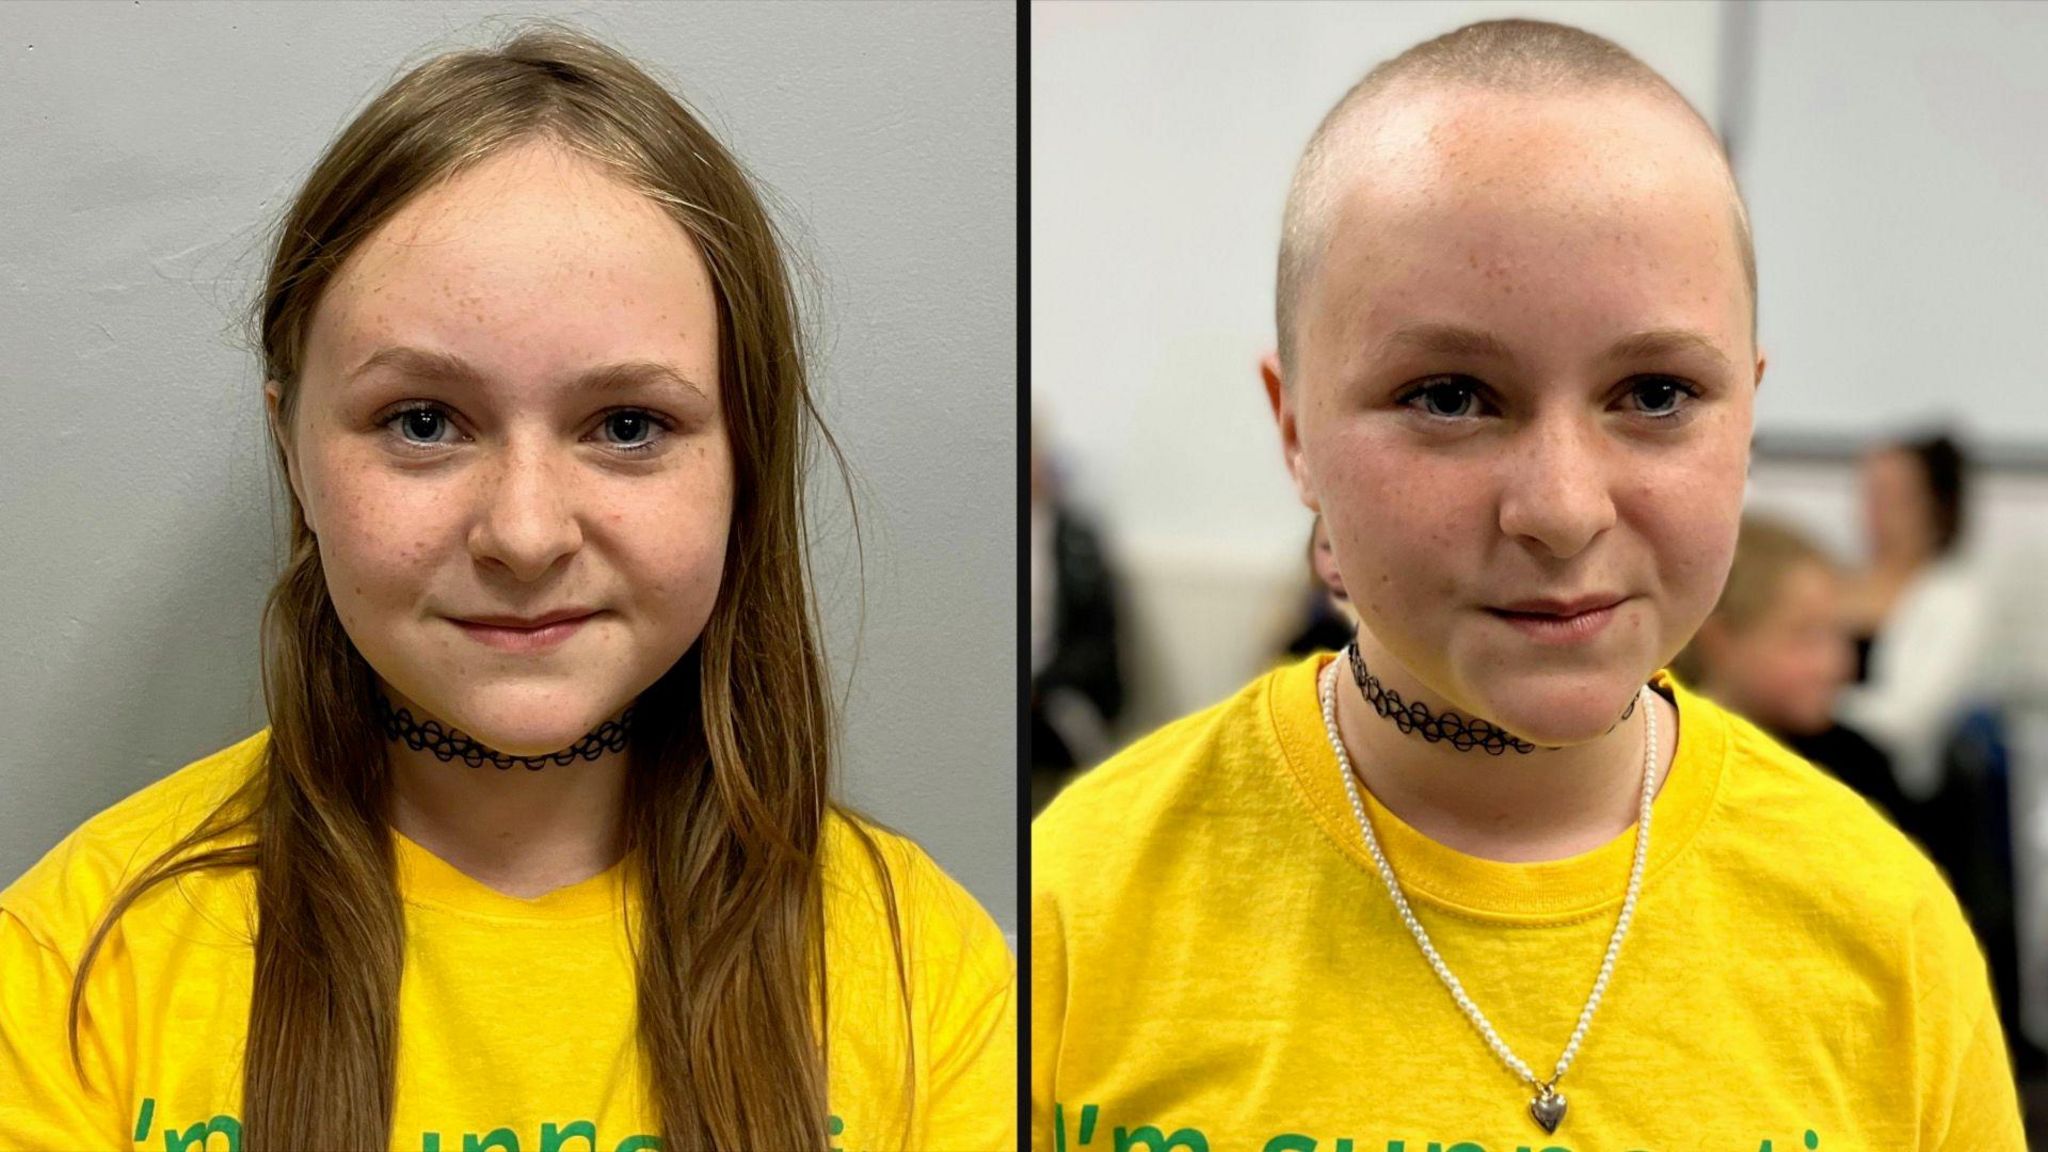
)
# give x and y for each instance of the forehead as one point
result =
(1901, 476)
(535, 254)
(1564, 216)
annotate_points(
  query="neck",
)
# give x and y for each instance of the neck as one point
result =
(522, 832)
(1548, 804)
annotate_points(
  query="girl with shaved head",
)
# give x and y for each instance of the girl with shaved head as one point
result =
(1492, 878)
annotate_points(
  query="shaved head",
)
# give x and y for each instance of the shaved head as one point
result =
(1403, 117)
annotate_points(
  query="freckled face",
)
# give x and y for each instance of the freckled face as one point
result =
(1558, 459)
(519, 491)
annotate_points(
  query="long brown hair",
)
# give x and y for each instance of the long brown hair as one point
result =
(731, 779)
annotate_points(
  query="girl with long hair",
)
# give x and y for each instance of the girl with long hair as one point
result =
(539, 848)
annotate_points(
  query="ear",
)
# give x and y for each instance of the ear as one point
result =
(1749, 450)
(272, 397)
(1326, 571)
(1286, 415)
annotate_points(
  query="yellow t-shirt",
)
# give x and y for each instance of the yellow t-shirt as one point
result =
(1216, 964)
(516, 1015)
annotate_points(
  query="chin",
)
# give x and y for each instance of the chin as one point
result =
(530, 746)
(1810, 724)
(1548, 730)
(527, 732)
(1561, 713)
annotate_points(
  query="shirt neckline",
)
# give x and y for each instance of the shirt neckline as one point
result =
(428, 881)
(1550, 891)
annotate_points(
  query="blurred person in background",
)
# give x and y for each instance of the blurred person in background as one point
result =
(1382, 899)
(1919, 610)
(1324, 622)
(1923, 613)
(1775, 651)
(1077, 684)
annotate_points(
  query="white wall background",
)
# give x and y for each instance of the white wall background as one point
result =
(1898, 188)
(144, 146)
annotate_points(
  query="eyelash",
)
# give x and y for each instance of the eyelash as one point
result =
(1473, 388)
(666, 427)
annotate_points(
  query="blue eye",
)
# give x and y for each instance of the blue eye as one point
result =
(1445, 397)
(637, 430)
(630, 423)
(422, 420)
(1663, 397)
(1456, 398)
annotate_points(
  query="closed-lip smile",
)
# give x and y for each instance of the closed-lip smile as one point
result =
(1551, 606)
(540, 621)
(526, 635)
(1561, 622)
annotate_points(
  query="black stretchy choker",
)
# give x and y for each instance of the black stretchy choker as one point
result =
(1416, 719)
(447, 744)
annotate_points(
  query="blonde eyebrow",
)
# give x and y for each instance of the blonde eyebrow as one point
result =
(1478, 344)
(425, 364)
(1663, 342)
(1451, 340)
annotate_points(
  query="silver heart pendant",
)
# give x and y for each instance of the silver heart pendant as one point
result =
(1548, 1109)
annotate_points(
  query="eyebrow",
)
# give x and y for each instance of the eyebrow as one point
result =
(1478, 344)
(425, 364)
(1664, 342)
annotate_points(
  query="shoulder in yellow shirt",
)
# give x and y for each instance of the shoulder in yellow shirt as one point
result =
(517, 1015)
(1216, 965)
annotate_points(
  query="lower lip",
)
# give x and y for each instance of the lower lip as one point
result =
(523, 639)
(1560, 629)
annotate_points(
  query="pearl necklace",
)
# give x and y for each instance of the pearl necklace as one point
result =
(1547, 1108)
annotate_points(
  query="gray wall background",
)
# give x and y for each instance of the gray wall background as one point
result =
(144, 147)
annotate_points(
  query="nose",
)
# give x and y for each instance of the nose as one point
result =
(1556, 496)
(526, 514)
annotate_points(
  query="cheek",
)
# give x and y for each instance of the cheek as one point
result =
(1399, 523)
(1691, 517)
(678, 558)
(673, 547)
(378, 538)
(1807, 680)
(1767, 666)
(1824, 661)
(1785, 666)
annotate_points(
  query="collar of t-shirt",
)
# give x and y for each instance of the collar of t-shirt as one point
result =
(427, 881)
(1551, 891)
